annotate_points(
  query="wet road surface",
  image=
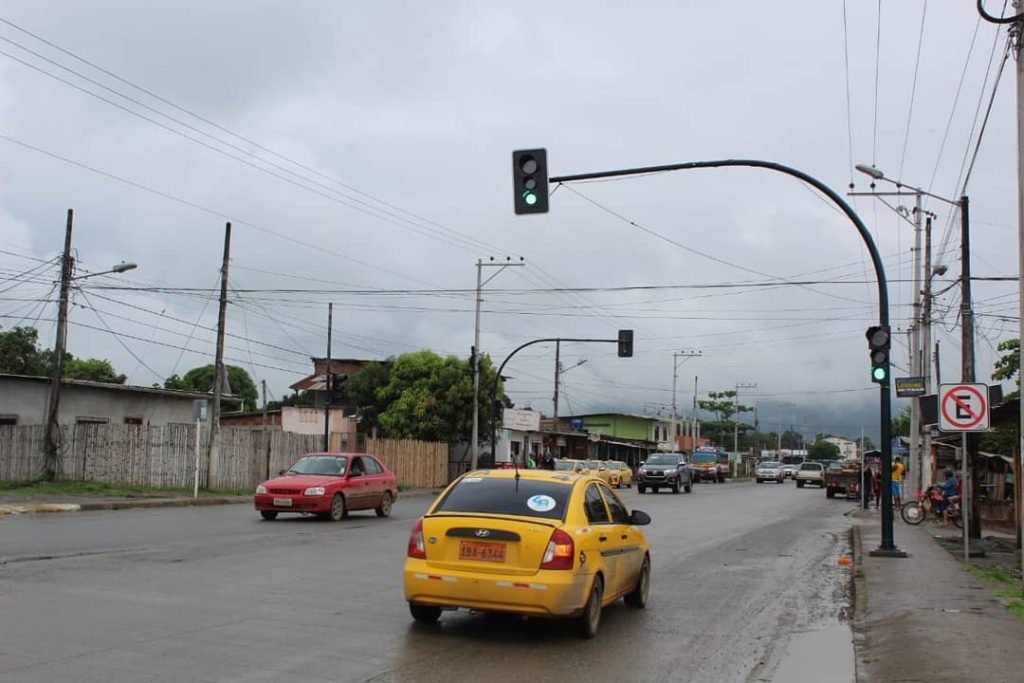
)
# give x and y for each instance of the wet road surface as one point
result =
(745, 587)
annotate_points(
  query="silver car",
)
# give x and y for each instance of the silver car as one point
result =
(769, 470)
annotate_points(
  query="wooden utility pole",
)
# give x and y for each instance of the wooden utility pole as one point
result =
(219, 371)
(52, 437)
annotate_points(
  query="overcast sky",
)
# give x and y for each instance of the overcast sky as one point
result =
(362, 147)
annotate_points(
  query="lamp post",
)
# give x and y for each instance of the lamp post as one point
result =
(967, 374)
(51, 438)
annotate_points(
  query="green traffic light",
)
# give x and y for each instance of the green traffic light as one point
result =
(878, 374)
(530, 198)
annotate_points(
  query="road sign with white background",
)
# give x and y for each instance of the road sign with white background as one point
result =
(963, 408)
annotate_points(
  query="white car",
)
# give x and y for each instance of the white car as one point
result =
(810, 473)
(789, 471)
(769, 470)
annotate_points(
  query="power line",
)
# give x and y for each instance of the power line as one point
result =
(913, 87)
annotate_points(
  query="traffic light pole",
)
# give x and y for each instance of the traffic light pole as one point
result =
(497, 376)
(888, 547)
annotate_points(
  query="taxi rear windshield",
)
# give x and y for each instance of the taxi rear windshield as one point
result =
(527, 498)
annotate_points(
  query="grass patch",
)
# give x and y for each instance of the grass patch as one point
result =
(102, 490)
(991, 574)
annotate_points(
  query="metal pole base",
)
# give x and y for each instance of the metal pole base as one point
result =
(975, 548)
(887, 552)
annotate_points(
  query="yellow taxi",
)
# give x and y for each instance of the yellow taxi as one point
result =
(599, 468)
(619, 474)
(570, 465)
(534, 542)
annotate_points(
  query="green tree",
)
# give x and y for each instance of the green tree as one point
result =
(19, 352)
(201, 380)
(1008, 366)
(430, 398)
(360, 394)
(792, 439)
(92, 369)
(20, 355)
(901, 423)
(722, 404)
(822, 450)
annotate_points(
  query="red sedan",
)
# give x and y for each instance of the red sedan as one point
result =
(329, 485)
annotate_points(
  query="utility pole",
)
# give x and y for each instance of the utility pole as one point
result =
(1017, 31)
(52, 437)
(218, 367)
(736, 422)
(266, 433)
(924, 460)
(915, 338)
(558, 373)
(475, 355)
(695, 425)
(328, 381)
(675, 367)
(967, 363)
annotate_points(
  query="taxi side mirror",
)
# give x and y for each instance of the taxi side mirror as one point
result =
(639, 518)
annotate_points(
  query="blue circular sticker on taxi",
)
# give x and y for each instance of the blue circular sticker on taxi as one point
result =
(540, 503)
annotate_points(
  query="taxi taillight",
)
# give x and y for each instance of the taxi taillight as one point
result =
(415, 548)
(560, 552)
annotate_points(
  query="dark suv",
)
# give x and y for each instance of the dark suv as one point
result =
(667, 470)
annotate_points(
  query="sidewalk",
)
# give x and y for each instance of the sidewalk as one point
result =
(25, 504)
(923, 618)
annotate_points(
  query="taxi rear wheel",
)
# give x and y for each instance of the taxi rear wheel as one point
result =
(590, 621)
(425, 614)
(638, 596)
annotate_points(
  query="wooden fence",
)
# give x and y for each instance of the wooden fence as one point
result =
(165, 456)
(421, 464)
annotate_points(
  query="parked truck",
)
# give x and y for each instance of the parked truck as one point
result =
(842, 478)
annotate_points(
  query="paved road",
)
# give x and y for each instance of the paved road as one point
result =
(745, 581)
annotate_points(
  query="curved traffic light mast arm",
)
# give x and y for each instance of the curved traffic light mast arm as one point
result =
(497, 378)
(887, 546)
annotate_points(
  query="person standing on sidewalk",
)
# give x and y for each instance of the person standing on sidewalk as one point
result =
(867, 485)
(897, 483)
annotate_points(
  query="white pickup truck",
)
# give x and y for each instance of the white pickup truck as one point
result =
(810, 473)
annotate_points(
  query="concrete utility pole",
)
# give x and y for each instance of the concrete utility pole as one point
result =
(475, 355)
(736, 422)
(1018, 35)
(924, 463)
(219, 371)
(676, 355)
(328, 381)
(967, 363)
(559, 371)
(915, 345)
(52, 436)
(266, 432)
(695, 424)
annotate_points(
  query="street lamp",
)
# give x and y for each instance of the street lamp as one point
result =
(966, 310)
(51, 438)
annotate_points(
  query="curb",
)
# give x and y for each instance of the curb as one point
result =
(150, 503)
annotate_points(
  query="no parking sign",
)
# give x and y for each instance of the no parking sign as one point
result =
(963, 408)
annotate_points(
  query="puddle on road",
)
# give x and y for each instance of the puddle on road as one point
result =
(812, 656)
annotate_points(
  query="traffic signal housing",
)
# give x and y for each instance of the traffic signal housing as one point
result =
(878, 347)
(530, 180)
(625, 343)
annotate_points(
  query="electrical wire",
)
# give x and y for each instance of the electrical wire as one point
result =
(913, 88)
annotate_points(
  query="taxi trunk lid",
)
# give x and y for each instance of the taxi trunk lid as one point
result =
(486, 544)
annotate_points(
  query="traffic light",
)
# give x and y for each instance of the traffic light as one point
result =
(625, 343)
(530, 180)
(878, 347)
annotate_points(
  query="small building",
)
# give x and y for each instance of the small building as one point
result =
(23, 401)
(847, 447)
(303, 420)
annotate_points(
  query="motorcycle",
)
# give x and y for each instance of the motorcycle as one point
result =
(930, 501)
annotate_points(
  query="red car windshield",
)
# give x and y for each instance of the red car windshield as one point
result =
(319, 464)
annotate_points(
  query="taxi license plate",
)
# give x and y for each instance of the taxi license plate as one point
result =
(486, 552)
(282, 502)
